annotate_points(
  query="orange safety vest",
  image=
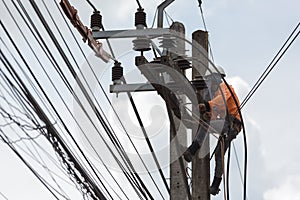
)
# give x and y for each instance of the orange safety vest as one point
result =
(217, 104)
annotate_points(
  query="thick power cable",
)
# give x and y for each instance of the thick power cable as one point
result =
(147, 139)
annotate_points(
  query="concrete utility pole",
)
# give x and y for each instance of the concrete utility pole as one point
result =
(177, 182)
(200, 164)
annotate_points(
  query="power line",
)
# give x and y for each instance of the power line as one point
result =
(272, 64)
(205, 28)
(27, 164)
(46, 73)
(85, 92)
(92, 5)
(148, 142)
(139, 4)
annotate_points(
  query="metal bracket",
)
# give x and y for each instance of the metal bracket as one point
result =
(136, 87)
(131, 33)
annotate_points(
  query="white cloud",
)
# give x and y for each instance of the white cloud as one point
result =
(288, 190)
(241, 87)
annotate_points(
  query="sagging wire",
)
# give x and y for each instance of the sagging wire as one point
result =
(21, 83)
(29, 136)
(50, 103)
(238, 164)
(5, 140)
(44, 151)
(42, 116)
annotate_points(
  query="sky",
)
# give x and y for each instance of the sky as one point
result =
(244, 36)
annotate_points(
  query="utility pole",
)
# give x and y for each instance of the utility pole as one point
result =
(177, 180)
(201, 162)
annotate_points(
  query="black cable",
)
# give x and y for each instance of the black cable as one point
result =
(27, 164)
(4, 44)
(46, 95)
(139, 5)
(238, 164)
(43, 164)
(205, 28)
(90, 3)
(80, 84)
(146, 137)
(16, 49)
(228, 170)
(271, 66)
(97, 82)
(52, 130)
(57, 113)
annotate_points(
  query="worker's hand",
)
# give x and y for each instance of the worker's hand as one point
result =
(206, 116)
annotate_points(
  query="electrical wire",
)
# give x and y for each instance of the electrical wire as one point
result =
(97, 82)
(139, 5)
(272, 64)
(8, 34)
(92, 5)
(205, 28)
(147, 139)
(238, 164)
(73, 72)
(27, 164)
(26, 91)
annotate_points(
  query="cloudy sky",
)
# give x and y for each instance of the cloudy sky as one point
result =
(244, 35)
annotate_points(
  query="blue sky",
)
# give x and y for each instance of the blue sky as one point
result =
(244, 36)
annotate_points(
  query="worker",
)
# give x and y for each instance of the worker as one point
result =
(222, 115)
